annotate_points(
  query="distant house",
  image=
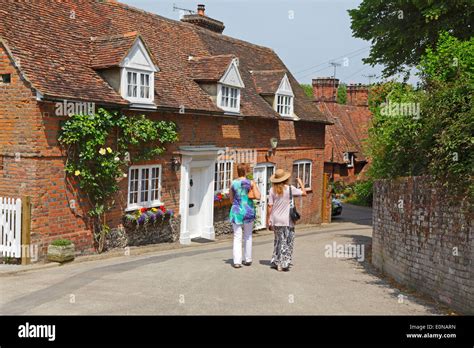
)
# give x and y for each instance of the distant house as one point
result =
(220, 91)
(344, 157)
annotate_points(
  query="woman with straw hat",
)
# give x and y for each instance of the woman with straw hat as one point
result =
(278, 217)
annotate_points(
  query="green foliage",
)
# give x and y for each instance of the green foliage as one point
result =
(99, 148)
(342, 94)
(394, 136)
(364, 192)
(61, 242)
(308, 90)
(448, 113)
(401, 31)
(338, 187)
(440, 142)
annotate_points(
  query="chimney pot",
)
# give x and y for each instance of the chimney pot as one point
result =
(201, 20)
(201, 10)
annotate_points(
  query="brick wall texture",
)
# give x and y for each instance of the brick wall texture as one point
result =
(424, 239)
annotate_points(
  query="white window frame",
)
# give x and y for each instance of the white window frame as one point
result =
(225, 100)
(219, 186)
(349, 159)
(139, 62)
(149, 203)
(140, 74)
(303, 163)
(284, 104)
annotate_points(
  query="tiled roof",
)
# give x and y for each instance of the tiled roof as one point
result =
(348, 133)
(267, 81)
(109, 51)
(210, 68)
(53, 46)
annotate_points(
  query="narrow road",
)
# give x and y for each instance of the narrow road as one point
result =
(200, 280)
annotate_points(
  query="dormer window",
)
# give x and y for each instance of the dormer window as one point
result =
(284, 98)
(138, 76)
(229, 98)
(125, 62)
(138, 85)
(349, 159)
(284, 105)
(228, 88)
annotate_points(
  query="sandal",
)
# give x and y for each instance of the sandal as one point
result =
(245, 263)
(237, 266)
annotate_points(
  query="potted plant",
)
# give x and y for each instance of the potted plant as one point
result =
(61, 250)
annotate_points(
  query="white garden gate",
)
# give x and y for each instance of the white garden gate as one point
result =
(10, 227)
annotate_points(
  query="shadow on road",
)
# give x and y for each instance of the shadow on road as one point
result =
(266, 263)
(400, 293)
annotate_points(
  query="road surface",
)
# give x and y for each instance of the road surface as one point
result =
(200, 280)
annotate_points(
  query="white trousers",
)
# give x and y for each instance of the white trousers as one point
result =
(247, 229)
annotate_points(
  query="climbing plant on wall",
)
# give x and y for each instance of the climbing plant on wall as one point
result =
(99, 148)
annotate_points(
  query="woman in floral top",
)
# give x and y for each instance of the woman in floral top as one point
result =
(242, 215)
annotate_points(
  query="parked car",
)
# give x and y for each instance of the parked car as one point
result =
(336, 207)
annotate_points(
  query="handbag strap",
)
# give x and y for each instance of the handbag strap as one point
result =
(292, 202)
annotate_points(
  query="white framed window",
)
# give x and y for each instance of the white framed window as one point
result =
(138, 86)
(228, 98)
(349, 159)
(284, 105)
(223, 176)
(303, 169)
(144, 186)
(137, 80)
(132, 84)
(144, 86)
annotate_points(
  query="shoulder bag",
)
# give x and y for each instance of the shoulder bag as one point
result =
(294, 215)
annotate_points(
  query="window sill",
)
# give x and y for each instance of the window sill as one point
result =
(147, 206)
(138, 105)
(231, 112)
(289, 117)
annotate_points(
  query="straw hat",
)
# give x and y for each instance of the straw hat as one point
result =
(279, 176)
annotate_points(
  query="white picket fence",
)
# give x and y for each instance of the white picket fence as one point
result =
(10, 227)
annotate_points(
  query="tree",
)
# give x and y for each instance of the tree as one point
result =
(308, 90)
(394, 135)
(401, 31)
(436, 137)
(342, 94)
(448, 111)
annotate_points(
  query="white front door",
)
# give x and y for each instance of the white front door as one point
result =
(196, 197)
(261, 176)
(196, 203)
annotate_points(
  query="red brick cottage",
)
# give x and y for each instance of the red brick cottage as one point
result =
(221, 92)
(344, 158)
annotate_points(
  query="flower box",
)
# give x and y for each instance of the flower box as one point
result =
(223, 203)
(145, 216)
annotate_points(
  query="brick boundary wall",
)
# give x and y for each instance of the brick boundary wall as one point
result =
(424, 240)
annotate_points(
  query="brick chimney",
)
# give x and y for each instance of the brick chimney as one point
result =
(325, 89)
(357, 95)
(201, 20)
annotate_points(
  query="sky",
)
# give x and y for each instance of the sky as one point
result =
(306, 34)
